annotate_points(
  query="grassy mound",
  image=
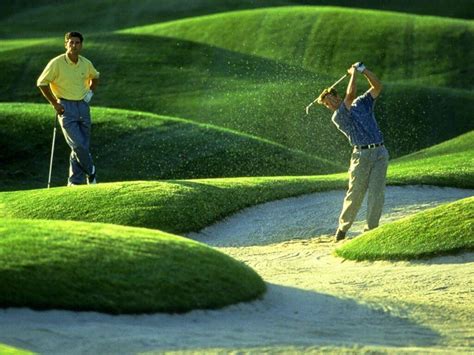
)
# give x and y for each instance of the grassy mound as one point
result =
(446, 229)
(24, 17)
(131, 145)
(260, 87)
(10, 350)
(177, 206)
(114, 269)
(299, 36)
(450, 163)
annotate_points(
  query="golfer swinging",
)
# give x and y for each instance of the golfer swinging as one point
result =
(68, 83)
(355, 118)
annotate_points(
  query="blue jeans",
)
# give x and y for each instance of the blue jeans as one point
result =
(76, 126)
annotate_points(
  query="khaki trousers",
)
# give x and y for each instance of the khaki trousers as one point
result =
(367, 172)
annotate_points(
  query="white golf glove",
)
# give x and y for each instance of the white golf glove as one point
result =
(360, 67)
(88, 96)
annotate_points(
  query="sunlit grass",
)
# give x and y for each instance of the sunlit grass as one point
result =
(446, 229)
(106, 268)
(130, 145)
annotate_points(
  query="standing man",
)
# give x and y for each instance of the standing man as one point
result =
(68, 83)
(354, 116)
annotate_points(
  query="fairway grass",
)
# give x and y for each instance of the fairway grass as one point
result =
(106, 268)
(131, 145)
(447, 229)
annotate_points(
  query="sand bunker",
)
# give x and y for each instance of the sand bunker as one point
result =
(315, 301)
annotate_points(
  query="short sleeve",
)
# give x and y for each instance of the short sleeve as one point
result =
(48, 75)
(93, 73)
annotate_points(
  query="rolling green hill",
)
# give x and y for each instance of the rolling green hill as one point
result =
(450, 163)
(249, 88)
(26, 17)
(426, 50)
(446, 229)
(114, 269)
(180, 206)
(130, 145)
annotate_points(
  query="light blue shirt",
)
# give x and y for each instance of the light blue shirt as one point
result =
(358, 124)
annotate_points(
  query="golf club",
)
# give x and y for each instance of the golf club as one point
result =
(52, 150)
(332, 86)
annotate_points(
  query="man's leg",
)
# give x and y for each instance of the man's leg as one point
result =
(78, 141)
(376, 189)
(358, 182)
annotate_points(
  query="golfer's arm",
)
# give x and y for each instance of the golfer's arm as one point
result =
(48, 94)
(94, 84)
(375, 84)
(350, 92)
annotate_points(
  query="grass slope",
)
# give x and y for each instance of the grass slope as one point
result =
(114, 269)
(450, 163)
(175, 206)
(442, 230)
(25, 17)
(299, 36)
(241, 92)
(256, 84)
(179, 206)
(131, 145)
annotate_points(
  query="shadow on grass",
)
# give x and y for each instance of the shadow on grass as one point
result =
(287, 316)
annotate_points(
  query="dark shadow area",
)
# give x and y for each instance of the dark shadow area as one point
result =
(287, 316)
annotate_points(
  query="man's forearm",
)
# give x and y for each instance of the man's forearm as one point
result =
(351, 87)
(94, 84)
(47, 93)
(373, 80)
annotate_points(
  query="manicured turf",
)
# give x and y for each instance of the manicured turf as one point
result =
(258, 88)
(446, 229)
(130, 145)
(447, 164)
(179, 206)
(174, 206)
(106, 268)
(245, 77)
(26, 17)
(10, 350)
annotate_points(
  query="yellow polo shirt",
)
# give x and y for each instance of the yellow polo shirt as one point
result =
(68, 80)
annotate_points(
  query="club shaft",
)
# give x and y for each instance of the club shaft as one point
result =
(341, 79)
(52, 153)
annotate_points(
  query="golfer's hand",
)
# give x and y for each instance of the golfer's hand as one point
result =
(351, 70)
(359, 66)
(59, 108)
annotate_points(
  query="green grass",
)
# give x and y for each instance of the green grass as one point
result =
(446, 229)
(256, 87)
(10, 350)
(179, 206)
(114, 269)
(129, 145)
(299, 36)
(26, 17)
(450, 163)
(174, 206)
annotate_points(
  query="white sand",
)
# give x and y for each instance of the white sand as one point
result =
(314, 301)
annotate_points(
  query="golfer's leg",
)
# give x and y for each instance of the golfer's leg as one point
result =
(76, 174)
(358, 180)
(376, 189)
(85, 128)
(73, 133)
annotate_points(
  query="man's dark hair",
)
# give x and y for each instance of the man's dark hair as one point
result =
(68, 36)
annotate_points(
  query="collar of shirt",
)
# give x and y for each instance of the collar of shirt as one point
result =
(69, 61)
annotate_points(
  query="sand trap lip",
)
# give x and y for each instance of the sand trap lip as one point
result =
(314, 299)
